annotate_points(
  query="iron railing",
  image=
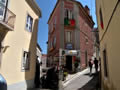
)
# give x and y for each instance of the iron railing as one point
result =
(7, 16)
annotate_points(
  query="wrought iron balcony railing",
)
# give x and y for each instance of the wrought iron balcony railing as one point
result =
(7, 18)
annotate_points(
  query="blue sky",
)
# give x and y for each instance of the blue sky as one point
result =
(46, 7)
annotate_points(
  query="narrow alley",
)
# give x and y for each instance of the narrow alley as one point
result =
(83, 81)
(59, 44)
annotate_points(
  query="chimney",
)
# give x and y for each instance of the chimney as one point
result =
(87, 9)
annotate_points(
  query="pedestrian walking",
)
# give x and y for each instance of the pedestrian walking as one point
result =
(96, 65)
(90, 65)
(52, 78)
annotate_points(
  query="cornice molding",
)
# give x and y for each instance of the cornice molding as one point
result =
(35, 7)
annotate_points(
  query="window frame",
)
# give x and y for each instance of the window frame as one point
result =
(54, 22)
(66, 37)
(3, 9)
(86, 40)
(54, 41)
(105, 63)
(27, 62)
(27, 29)
(68, 13)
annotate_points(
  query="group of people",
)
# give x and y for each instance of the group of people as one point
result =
(95, 63)
(50, 80)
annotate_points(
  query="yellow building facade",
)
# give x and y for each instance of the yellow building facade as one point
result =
(108, 19)
(18, 41)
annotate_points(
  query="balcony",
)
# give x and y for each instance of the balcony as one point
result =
(7, 18)
(69, 23)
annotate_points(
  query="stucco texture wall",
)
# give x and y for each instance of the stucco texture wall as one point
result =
(17, 41)
(109, 40)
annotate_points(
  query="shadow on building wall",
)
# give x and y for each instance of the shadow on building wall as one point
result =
(3, 33)
(30, 74)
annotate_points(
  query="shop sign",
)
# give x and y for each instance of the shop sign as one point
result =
(69, 46)
(71, 52)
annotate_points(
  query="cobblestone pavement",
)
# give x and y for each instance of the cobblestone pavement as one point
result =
(81, 81)
(84, 82)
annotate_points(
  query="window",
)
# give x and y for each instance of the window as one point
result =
(68, 14)
(25, 62)
(2, 8)
(54, 23)
(52, 26)
(55, 20)
(29, 23)
(69, 18)
(51, 44)
(68, 37)
(54, 42)
(105, 63)
(86, 40)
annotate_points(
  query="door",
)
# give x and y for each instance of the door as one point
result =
(2, 8)
(69, 62)
(37, 74)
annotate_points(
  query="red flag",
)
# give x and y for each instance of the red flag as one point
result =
(72, 22)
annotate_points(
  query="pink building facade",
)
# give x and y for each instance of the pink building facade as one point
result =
(70, 29)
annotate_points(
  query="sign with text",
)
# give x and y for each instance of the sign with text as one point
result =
(69, 46)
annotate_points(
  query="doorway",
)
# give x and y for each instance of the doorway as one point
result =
(69, 63)
(37, 74)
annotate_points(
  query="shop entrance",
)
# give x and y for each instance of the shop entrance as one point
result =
(69, 63)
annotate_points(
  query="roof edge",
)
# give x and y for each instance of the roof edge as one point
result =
(53, 11)
(39, 47)
(35, 7)
(90, 18)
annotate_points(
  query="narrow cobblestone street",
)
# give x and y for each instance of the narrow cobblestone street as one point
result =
(83, 82)
(59, 45)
